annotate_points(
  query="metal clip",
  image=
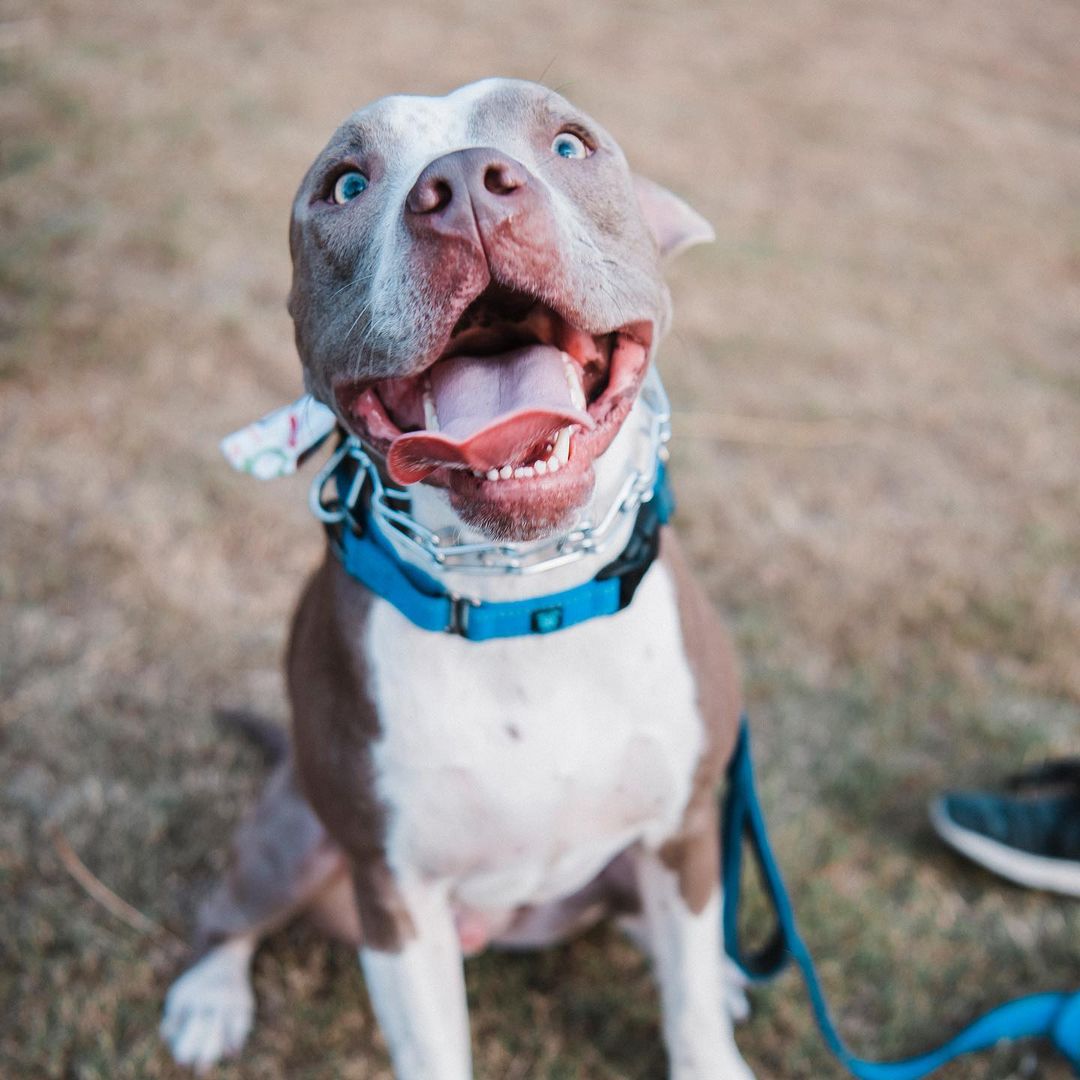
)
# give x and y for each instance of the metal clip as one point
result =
(328, 511)
(459, 614)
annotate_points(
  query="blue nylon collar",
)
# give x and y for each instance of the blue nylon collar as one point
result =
(369, 558)
(1053, 1016)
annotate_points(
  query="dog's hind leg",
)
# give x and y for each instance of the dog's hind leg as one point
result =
(281, 864)
(281, 860)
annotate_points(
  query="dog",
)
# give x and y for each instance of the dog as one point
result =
(478, 295)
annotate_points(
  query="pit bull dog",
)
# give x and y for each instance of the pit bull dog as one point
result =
(477, 294)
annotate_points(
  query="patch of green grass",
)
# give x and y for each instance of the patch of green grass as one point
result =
(23, 155)
(142, 585)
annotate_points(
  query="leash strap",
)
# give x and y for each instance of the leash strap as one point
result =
(368, 557)
(1053, 1016)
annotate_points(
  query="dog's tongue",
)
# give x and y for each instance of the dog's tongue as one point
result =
(492, 411)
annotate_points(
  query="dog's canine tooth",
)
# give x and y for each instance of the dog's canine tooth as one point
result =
(573, 380)
(431, 417)
(562, 446)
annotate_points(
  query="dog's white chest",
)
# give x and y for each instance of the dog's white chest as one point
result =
(517, 769)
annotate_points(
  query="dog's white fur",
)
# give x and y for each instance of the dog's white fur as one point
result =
(458, 720)
(498, 792)
(480, 713)
(462, 718)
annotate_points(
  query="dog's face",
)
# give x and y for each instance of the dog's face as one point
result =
(477, 293)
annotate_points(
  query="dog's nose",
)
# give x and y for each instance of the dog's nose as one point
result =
(464, 189)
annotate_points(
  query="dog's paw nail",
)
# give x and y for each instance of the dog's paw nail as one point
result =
(738, 1005)
(735, 983)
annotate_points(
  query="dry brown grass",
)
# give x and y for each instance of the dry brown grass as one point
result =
(896, 190)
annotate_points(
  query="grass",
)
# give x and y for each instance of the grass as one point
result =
(894, 189)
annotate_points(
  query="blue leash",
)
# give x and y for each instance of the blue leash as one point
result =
(1053, 1016)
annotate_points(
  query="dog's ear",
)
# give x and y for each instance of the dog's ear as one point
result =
(674, 224)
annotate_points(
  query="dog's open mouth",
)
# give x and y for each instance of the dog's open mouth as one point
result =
(518, 403)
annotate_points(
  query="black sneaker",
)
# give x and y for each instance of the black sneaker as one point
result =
(1029, 834)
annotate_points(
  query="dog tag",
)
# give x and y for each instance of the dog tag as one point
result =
(275, 445)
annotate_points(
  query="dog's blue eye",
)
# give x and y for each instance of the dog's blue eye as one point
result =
(566, 144)
(348, 186)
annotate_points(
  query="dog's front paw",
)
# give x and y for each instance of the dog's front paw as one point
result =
(209, 1009)
(716, 1063)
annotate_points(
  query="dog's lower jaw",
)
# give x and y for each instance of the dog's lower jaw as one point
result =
(634, 448)
(513, 523)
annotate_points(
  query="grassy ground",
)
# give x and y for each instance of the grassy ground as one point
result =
(878, 446)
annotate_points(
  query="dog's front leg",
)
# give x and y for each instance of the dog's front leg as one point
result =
(686, 945)
(418, 992)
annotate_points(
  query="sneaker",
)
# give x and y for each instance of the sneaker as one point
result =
(1030, 833)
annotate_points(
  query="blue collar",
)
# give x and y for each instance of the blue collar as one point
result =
(368, 557)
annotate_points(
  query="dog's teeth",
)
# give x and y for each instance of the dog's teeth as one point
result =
(553, 465)
(540, 467)
(562, 446)
(492, 474)
(524, 471)
(573, 380)
(431, 417)
(506, 472)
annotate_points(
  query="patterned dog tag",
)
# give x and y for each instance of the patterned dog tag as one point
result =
(274, 446)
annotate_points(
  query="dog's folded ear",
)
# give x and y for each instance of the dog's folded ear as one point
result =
(674, 224)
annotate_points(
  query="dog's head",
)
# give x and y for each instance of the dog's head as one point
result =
(477, 292)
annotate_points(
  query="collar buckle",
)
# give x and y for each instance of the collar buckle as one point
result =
(460, 606)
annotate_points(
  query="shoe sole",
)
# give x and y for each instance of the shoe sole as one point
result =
(1032, 871)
